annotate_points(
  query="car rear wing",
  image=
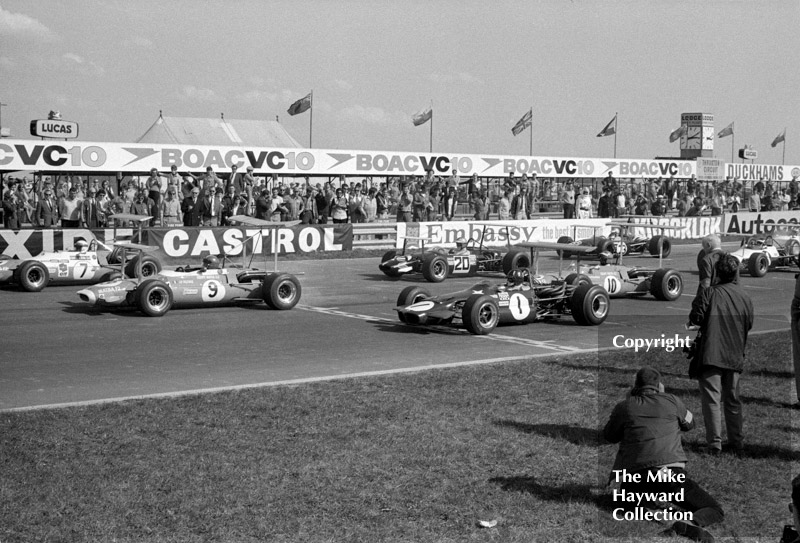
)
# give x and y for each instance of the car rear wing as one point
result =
(536, 246)
(261, 224)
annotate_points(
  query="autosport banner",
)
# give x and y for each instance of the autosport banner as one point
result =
(180, 245)
(758, 223)
(501, 233)
(110, 157)
(691, 227)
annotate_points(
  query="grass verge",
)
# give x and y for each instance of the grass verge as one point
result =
(411, 457)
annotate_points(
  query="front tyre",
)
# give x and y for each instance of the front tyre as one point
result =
(281, 291)
(434, 268)
(480, 314)
(409, 296)
(154, 298)
(666, 285)
(565, 240)
(589, 304)
(33, 276)
(758, 264)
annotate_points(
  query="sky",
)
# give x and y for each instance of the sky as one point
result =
(112, 66)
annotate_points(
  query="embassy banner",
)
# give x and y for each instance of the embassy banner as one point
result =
(136, 158)
(189, 245)
(501, 233)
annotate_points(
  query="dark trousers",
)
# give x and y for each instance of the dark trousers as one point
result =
(569, 211)
(705, 508)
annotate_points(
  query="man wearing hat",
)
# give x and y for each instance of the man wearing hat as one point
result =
(190, 208)
(647, 424)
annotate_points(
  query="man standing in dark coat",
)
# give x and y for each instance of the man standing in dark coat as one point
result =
(725, 316)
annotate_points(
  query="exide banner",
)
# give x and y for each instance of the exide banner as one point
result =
(111, 157)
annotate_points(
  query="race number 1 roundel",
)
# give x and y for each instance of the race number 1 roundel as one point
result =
(519, 306)
(212, 291)
(611, 284)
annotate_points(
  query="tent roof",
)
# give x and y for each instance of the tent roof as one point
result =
(201, 131)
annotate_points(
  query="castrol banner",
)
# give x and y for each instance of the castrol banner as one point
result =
(188, 245)
(135, 158)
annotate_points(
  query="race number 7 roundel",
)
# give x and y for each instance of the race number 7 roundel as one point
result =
(212, 291)
(519, 306)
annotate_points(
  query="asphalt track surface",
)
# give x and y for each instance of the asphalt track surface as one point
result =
(55, 350)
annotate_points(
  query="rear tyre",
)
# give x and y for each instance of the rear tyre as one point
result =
(434, 268)
(566, 240)
(281, 291)
(150, 266)
(666, 285)
(514, 260)
(660, 241)
(589, 304)
(388, 255)
(604, 244)
(33, 276)
(480, 314)
(577, 279)
(758, 264)
(409, 296)
(154, 298)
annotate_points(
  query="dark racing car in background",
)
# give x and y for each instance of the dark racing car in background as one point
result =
(469, 258)
(623, 241)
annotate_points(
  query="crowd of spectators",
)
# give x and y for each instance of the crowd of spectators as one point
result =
(182, 198)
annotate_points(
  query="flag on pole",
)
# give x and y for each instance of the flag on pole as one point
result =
(779, 138)
(523, 123)
(301, 105)
(610, 129)
(725, 132)
(677, 133)
(422, 117)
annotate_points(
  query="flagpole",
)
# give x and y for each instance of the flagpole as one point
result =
(616, 122)
(733, 137)
(311, 120)
(783, 160)
(531, 130)
(431, 138)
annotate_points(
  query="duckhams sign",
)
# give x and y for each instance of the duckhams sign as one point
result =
(105, 157)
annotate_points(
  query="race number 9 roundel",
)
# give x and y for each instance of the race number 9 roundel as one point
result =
(212, 291)
(519, 306)
(611, 284)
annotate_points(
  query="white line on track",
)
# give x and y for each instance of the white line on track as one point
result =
(548, 345)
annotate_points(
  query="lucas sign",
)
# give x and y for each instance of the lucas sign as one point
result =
(45, 128)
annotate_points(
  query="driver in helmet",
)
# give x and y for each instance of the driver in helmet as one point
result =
(605, 258)
(461, 246)
(518, 280)
(81, 245)
(211, 262)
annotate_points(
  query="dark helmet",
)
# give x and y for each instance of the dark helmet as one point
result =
(605, 256)
(516, 277)
(211, 262)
